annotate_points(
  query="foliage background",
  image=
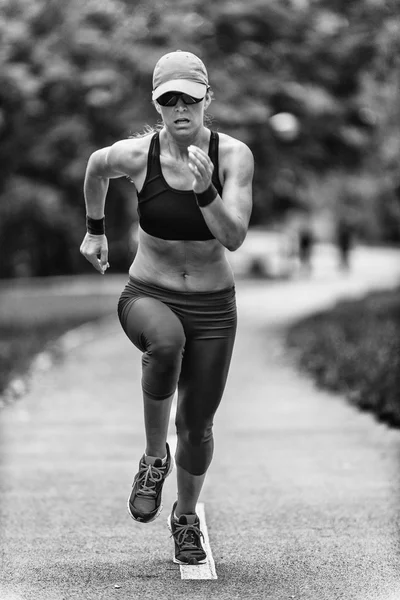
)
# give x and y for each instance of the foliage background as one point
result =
(76, 76)
(354, 349)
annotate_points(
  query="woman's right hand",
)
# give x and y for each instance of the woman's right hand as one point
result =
(95, 249)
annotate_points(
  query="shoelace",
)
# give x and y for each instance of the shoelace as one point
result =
(187, 536)
(149, 476)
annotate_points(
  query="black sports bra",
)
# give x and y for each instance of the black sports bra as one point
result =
(171, 214)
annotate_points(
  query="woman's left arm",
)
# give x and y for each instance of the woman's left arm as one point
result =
(227, 217)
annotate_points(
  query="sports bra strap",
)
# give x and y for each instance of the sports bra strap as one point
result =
(153, 162)
(213, 149)
(213, 154)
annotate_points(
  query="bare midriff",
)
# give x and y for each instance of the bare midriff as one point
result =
(182, 265)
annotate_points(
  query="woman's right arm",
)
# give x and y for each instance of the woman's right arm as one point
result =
(103, 165)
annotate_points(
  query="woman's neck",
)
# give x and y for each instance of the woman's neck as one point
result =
(178, 147)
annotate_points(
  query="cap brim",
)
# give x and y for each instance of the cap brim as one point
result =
(197, 90)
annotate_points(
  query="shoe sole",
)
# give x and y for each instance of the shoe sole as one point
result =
(195, 562)
(154, 517)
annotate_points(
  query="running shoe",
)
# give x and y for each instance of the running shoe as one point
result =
(144, 503)
(187, 537)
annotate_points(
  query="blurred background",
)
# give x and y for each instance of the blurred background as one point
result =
(312, 86)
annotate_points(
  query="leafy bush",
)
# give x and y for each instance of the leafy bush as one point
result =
(354, 349)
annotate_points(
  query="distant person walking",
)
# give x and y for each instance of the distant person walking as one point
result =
(178, 308)
(345, 240)
(305, 248)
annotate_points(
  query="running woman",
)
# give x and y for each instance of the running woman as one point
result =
(194, 189)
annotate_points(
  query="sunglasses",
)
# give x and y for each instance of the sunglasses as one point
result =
(171, 99)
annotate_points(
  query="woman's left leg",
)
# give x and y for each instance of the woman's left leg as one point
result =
(201, 385)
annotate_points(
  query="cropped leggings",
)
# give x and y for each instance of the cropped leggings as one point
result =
(187, 341)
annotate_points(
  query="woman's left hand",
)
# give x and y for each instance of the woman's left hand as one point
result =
(202, 168)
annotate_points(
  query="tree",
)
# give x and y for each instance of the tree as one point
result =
(77, 76)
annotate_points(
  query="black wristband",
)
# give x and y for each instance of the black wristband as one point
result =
(95, 226)
(207, 196)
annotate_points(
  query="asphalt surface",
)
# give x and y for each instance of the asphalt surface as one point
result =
(301, 500)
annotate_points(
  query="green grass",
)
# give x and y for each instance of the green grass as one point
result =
(33, 316)
(354, 349)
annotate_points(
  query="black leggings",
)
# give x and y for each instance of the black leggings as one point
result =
(187, 342)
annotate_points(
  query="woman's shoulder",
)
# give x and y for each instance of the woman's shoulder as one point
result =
(130, 154)
(132, 146)
(230, 147)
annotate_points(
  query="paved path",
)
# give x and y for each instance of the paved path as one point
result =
(301, 500)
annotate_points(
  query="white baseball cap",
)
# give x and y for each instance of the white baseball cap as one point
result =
(180, 72)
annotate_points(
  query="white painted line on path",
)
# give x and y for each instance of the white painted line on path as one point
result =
(174, 406)
(207, 570)
(172, 441)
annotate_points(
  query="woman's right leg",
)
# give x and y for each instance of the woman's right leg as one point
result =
(156, 330)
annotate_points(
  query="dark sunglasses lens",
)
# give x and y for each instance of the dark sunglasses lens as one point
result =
(168, 99)
(171, 98)
(190, 100)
